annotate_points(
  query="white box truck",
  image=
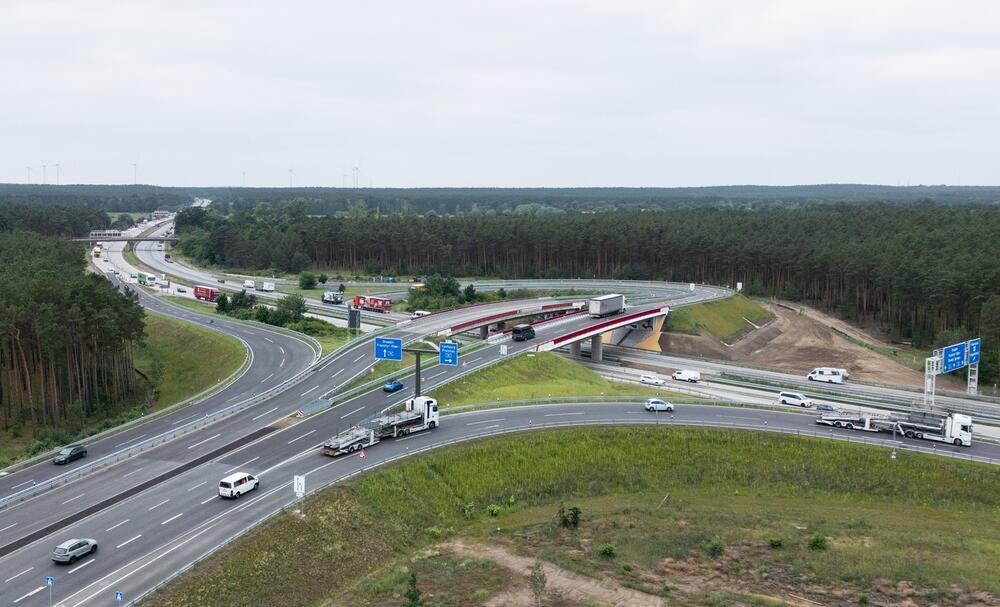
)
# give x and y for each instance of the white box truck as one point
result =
(421, 413)
(249, 284)
(606, 305)
(267, 287)
(953, 428)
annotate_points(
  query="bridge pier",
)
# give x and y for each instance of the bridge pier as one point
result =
(596, 348)
(484, 331)
(574, 349)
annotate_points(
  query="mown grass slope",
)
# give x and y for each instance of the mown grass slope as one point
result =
(534, 376)
(723, 318)
(181, 359)
(928, 520)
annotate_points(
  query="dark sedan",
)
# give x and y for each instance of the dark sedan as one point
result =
(69, 454)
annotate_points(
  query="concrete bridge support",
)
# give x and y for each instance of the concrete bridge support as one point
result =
(597, 348)
(574, 349)
(484, 331)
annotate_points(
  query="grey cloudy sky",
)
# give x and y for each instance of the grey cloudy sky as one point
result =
(507, 93)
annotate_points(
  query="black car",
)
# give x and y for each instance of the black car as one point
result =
(70, 453)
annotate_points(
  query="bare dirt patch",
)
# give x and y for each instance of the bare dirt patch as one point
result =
(572, 588)
(798, 342)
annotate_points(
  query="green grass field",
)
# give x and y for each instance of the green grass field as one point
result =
(723, 318)
(535, 376)
(752, 513)
(182, 360)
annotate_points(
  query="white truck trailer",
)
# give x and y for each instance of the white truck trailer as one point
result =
(953, 428)
(421, 413)
(606, 305)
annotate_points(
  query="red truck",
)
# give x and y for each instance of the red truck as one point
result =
(372, 303)
(206, 293)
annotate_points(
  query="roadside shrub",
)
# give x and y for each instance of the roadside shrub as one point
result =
(307, 280)
(469, 510)
(775, 542)
(716, 548)
(863, 599)
(818, 542)
(493, 509)
(606, 551)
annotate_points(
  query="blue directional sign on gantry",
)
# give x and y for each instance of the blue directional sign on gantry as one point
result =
(388, 348)
(953, 357)
(448, 353)
(975, 345)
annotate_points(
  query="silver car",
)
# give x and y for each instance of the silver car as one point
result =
(658, 404)
(70, 550)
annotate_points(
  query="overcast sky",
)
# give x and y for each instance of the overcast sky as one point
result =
(507, 93)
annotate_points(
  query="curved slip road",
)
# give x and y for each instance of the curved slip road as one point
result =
(147, 538)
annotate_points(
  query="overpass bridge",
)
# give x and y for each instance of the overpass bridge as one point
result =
(123, 238)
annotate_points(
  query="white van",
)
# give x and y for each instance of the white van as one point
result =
(685, 375)
(794, 398)
(236, 484)
(652, 380)
(249, 284)
(827, 374)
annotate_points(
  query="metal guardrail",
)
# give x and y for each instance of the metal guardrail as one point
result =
(545, 426)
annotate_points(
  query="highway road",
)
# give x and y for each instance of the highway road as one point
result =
(152, 534)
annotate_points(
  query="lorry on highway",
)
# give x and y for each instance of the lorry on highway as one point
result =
(420, 413)
(953, 428)
(206, 293)
(249, 284)
(333, 296)
(96, 252)
(267, 287)
(146, 279)
(372, 303)
(606, 305)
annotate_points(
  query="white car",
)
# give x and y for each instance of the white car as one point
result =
(652, 380)
(236, 484)
(658, 404)
(794, 398)
(70, 550)
(685, 375)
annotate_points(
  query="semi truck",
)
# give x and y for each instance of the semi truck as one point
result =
(372, 303)
(953, 428)
(206, 293)
(607, 305)
(96, 252)
(333, 297)
(420, 413)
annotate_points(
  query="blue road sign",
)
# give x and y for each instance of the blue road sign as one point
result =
(448, 353)
(388, 348)
(50, 581)
(119, 597)
(974, 350)
(953, 357)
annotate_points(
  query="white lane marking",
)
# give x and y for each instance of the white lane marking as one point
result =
(21, 485)
(359, 358)
(210, 499)
(8, 527)
(486, 421)
(561, 414)
(253, 419)
(309, 390)
(190, 489)
(116, 525)
(80, 566)
(158, 505)
(346, 415)
(185, 419)
(269, 339)
(32, 593)
(132, 440)
(174, 517)
(246, 463)
(336, 374)
(493, 426)
(282, 350)
(128, 474)
(18, 575)
(127, 542)
(205, 441)
(74, 498)
(267, 378)
(282, 362)
(298, 437)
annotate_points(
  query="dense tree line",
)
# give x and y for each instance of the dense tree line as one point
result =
(52, 221)
(533, 201)
(66, 336)
(916, 269)
(109, 198)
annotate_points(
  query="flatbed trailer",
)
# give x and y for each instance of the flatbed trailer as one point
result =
(953, 428)
(421, 413)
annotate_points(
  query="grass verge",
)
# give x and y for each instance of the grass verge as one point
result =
(746, 507)
(181, 360)
(535, 376)
(723, 318)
